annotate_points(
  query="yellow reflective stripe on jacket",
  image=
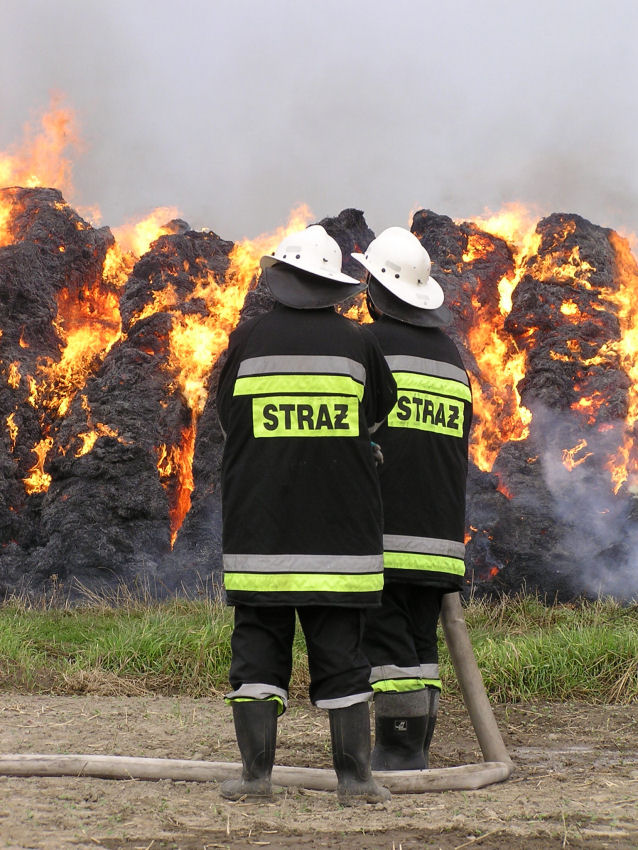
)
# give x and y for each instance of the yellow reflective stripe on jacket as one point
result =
(432, 384)
(303, 582)
(290, 383)
(418, 561)
(305, 416)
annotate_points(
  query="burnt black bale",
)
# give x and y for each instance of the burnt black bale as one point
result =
(135, 395)
(575, 263)
(104, 519)
(567, 534)
(51, 251)
(534, 525)
(351, 232)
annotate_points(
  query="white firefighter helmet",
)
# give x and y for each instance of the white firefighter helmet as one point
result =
(311, 250)
(397, 260)
(305, 271)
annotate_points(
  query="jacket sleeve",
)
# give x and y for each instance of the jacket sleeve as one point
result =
(381, 390)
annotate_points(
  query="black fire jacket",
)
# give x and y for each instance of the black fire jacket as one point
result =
(425, 446)
(301, 503)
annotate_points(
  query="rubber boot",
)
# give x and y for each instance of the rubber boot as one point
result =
(433, 710)
(256, 731)
(400, 725)
(350, 733)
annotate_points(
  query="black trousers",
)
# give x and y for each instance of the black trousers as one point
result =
(262, 651)
(402, 632)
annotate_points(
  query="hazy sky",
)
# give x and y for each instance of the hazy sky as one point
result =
(235, 112)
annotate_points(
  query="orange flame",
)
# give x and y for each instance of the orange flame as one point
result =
(478, 248)
(88, 327)
(569, 455)
(499, 414)
(38, 480)
(38, 159)
(623, 466)
(135, 237)
(13, 430)
(89, 438)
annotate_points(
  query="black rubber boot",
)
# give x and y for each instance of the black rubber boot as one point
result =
(256, 731)
(433, 710)
(350, 733)
(400, 724)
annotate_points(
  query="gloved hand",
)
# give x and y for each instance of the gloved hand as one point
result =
(377, 454)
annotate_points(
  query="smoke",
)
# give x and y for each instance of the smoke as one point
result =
(236, 112)
(597, 530)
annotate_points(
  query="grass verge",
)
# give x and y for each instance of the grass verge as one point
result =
(525, 649)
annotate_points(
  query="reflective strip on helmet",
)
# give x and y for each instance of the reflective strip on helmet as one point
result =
(411, 381)
(424, 545)
(276, 384)
(285, 563)
(303, 582)
(426, 366)
(302, 363)
(305, 416)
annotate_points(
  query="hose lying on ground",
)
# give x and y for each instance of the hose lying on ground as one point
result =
(463, 778)
(496, 768)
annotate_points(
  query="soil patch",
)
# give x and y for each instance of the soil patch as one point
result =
(575, 784)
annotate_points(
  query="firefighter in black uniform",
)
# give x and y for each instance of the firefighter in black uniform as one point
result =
(300, 393)
(423, 482)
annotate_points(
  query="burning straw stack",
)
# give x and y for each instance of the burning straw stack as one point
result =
(110, 446)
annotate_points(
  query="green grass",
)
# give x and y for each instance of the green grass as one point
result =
(525, 649)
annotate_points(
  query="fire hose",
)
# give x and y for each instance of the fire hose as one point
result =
(497, 766)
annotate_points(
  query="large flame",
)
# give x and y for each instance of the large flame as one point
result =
(499, 414)
(623, 466)
(39, 158)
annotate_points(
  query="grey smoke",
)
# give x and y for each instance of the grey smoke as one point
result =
(600, 529)
(235, 112)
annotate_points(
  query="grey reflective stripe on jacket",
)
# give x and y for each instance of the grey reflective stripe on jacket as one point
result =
(424, 545)
(302, 363)
(426, 366)
(338, 564)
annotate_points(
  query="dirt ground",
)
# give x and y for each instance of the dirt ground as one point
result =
(575, 784)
